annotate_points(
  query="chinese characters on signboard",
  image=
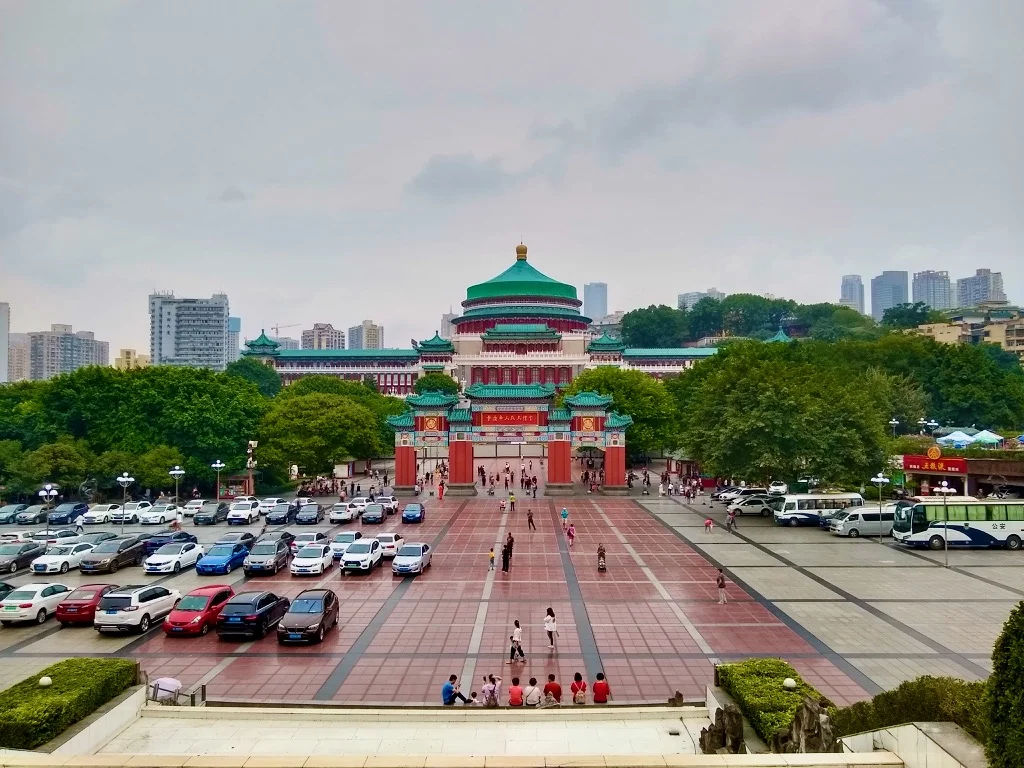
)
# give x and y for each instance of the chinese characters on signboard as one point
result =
(494, 419)
(954, 466)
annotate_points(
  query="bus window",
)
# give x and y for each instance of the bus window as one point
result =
(1015, 512)
(976, 512)
(806, 504)
(791, 506)
(920, 519)
(952, 512)
(996, 512)
(856, 502)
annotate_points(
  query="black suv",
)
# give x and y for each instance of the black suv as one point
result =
(251, 613)
(65, 514)
(111, 554)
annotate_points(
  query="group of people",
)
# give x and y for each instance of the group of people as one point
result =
(527, 480)
(529, 695)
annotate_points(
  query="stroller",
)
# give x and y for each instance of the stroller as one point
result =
(501, 505)
(601, 565)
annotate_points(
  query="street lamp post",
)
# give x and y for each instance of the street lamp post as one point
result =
(945, 490)
(125, 482)
(880, 481)
(176, 473)
(218, 465)
(930, 424)
(893, 423)
(48, 494)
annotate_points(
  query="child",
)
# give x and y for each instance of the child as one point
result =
(491, 557)
(708, 525)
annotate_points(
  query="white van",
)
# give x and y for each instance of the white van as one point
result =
(863, 521)
(814, 508)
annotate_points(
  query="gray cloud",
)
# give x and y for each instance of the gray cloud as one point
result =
(232, 195)
(455, 178)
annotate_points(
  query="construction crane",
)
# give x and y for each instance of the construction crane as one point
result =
(277, 328)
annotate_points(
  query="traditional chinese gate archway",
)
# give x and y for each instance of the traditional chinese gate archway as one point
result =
(512, 414)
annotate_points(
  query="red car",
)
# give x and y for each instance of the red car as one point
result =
(197, 611)
(80, 606)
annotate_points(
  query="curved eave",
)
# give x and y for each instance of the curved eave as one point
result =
(512, 312)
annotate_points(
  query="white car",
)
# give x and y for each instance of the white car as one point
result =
(777, 486)
(134, 609)
(300, 500)
(312, 558)
(342, 541)
(359, 502)
(268, 504)
(171, 558)
(246, 498)
(130, 512)
(243, 512)
(390, 503)
(192, 507)
(58, 536)
(32, 602)
(362, 555)
(159, 514)
(15, 537)
(411, 558)
(61, 558)
(306, 538)
(100, 513)
(739, 493)
(389, 543)
(343, 513)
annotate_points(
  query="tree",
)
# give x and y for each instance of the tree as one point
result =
(65, 463)
(656, 326)
(745, 314)
(436, 382)
(1004, 700)
(266, 379)
(317, 431)
(705, 318)
(370, 383)
(11, 457)
(906, 315)
(153, 467)
(328, 385)
(635, 394)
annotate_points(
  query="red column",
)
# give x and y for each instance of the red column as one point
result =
(615, 466)
(559, 461)
(405, 467)
(460, 462)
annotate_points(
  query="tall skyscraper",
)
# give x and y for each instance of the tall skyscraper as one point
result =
(128, 359)
(234, 339)
(5, 333)
(889, 289)
(851, 294)
(323, 336)
(61, 350)
(984, 285)
(19, 352)
(688, 299)
(189, 331)
(447, 328)
(932, 288)
(286, 342)
(367, 335)
(595, 300)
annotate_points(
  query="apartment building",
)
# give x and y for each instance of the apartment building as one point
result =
(367, 335)
(62, 350)
(323, 336)
(128, 359)
(18, 353)
(191, 332)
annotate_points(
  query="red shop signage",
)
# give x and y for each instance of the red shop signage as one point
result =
(955, 466)
(509, 419)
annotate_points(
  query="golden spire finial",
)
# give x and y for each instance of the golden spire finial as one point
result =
(520, 252)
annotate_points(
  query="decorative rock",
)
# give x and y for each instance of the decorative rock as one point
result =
(725, 735)
(45, 682)
(810, 731)
(789, 684)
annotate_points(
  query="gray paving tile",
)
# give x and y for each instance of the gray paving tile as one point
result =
(784, 584)
(960, 626)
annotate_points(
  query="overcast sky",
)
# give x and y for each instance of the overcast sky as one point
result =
(330, 161)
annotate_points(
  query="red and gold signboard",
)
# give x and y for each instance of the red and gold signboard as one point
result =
(955, 466)
(509, 419)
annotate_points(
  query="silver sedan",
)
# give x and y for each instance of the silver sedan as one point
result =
(411, 558)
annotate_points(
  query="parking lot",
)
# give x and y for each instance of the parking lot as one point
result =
(852, 616)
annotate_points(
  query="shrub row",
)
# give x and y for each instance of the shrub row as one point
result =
(756, 685)
(31, 715)
(926, 699)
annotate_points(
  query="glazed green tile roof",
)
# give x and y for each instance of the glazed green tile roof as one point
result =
(605, 343)
(436, 344)
(588, 400)
(460, 416)
(433, 367)
(780, 336)
(520, 330)
(435, 399)
(521, 279)
(349, 354)
(262, 344)
(510, 391)
(520, 310)
(559, 414)
(617, 421)
(402, 421)
(683, 353)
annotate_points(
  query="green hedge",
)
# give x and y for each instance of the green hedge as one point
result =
(1004, 705)
(926, 699)
(756, 685)
(31, 715)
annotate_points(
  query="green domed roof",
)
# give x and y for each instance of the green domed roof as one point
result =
(521, 279)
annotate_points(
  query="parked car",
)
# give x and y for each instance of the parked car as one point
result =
(281, 514)
(32, 602)
(159, 514)
(374, 513)
(268, 556)
(717, 495)
(111, 554)
(32, 515)
(738, 493)
(171, 558)
(16, 537)
(237, 537)
(251, 614)
(362, 555)
(246, 498)
(310, 615)
(197, 611)
(19, 554)
(390, 503)
(130, 512)
(309, 514)
(755, 505)
(342, 512)
(222, 558)
(300, 500)
(359, 502)
(97, 537)
(100, 513)
(79, 607)
(312, 559)
(6, 589)
(193, 506)
(211, 513)
(389, 543)
(61, 536)
(61, 558)
(413, 513)
(67, 513)
(9, 513)
(304, 538)
(134, 609)
(286, 536)
(268, 504)
(243, 512)
(411, 558)
(342, 541)
(863, 521)
(777, 486)
(158, 539)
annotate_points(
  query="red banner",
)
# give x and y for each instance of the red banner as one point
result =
(955, 466)
(509, 418)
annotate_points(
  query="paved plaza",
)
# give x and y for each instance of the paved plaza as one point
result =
(854, 617)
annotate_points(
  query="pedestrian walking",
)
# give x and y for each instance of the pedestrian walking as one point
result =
(720, 581)
(516, 640)
(708, 525)
(510, 542)
(512, 503)
(490, 558)
(551, 627)
(570, 533)
(565, 517)
(79, 523)
(506, 558)
(529, 521)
